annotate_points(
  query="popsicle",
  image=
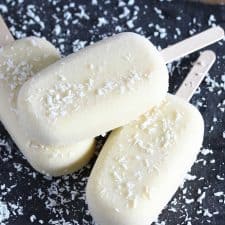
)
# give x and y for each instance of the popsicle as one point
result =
(93, 91)
(100, 88)
(19, 61)
(142, 164)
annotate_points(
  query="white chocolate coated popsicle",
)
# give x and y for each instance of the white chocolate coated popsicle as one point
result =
(19, 61)
(142, 164)
(90, 92)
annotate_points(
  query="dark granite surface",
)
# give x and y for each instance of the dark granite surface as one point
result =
(27, 197)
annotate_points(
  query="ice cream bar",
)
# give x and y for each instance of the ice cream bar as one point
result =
(90, 92)
(19, 61)
(101, 87)
(142, 164)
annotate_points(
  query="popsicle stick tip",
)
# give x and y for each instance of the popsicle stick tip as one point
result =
(192, 44)
(211, 55)
(219, 30)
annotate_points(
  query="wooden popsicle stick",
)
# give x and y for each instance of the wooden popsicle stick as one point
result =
(192, 44)
(5, 36)
(195, 76)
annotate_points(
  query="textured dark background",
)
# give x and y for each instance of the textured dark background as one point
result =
(27, 197)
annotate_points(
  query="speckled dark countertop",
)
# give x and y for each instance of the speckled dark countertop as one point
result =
(27, 197)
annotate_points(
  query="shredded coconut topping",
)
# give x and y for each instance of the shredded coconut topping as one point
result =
(144, 152)
(66, 97)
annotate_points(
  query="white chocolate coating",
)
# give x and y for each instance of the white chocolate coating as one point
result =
(142, 164)
(18, 63)
(88, 93)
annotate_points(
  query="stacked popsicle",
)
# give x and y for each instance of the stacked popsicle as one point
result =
(19, 61)
(54, 116)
